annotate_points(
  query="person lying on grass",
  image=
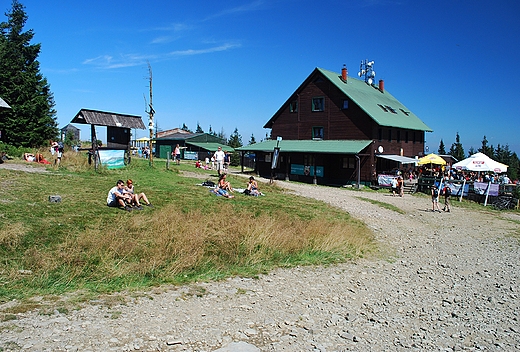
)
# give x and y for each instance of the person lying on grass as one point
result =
(116, 198)
(135, 197)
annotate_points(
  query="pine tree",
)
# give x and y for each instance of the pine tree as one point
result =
(32, 120)
(185, 128)
(199, 129)
(442, 148)
(456, 150)
(235, 141)
(485, 149)
(252, 140)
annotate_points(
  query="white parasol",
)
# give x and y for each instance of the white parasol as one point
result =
(480, 162)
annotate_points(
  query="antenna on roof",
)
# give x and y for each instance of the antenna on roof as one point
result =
(366, 70)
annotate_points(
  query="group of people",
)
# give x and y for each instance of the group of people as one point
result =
(223, 187)
(436, 193)
(124, 196)
(397, 186)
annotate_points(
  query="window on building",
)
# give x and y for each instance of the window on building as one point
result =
(389, 134)
(317, 132)
(391, 109)
(398, 137)
(345, 104)
(380, 134)
(293, 106)
(407, 113)
(318, 104)
(406, 136)
(349, 163)
(308, 159)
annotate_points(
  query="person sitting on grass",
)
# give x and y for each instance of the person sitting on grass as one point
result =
(136, 197)
(223, 187)
(252, 187)
(116, 198)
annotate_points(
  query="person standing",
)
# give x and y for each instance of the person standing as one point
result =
(435, 199)
(219, 159)
(177, 153)
(400, 186)
(393, 183)
(447, 195)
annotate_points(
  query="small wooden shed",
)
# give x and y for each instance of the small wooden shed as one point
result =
(118, 127)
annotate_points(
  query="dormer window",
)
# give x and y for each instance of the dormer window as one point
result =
(318, 103)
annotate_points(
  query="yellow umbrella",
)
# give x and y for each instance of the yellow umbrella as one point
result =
(431, 159)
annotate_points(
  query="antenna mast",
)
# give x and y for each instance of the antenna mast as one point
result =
(151, 112)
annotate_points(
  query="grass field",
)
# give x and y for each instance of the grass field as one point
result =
(189, 235)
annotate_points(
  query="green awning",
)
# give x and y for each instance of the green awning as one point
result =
(310, 146)
(209, 146)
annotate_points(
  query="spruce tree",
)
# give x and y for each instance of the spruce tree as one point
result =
(252, 140)
(456, 150)
(486, 149)
(235, 141)
(442, 148)
(32, 120)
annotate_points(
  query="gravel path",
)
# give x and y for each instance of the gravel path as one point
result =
(444, 282)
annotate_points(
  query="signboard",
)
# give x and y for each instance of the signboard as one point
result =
(306, 170)
(112, 159)
(191, 155)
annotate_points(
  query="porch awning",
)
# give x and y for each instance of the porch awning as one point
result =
(211, 147)
(398, 158)
(309, 146)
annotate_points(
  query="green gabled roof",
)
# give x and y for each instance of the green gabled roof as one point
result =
(368, 97)
(212, 147)
(309, 146)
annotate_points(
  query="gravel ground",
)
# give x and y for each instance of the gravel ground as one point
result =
(443, 282)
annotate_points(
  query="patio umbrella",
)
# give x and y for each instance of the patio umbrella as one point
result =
(431, 159)
(480, 162)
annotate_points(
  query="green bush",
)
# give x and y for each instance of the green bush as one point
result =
(15, 152)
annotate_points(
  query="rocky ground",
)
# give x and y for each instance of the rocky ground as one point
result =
(444, 282)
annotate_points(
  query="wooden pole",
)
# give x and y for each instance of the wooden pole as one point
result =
(151, 113)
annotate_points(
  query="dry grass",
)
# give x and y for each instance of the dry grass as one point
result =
(190, 235)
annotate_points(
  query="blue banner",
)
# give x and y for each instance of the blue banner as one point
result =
(306, 170)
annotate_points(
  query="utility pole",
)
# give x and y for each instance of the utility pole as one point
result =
(151, 112)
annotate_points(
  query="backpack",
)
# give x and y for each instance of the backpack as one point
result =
(208, 183)
(60, 146)
(435, 192)
(447, 191)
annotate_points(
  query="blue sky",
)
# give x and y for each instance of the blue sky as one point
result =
(233, 64)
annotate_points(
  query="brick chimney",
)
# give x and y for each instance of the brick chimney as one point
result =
(344, 73)
(382, 86)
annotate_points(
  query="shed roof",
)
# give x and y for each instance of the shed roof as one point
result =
(211, 146)
(111, 119)
(310, 146)
(381, 106)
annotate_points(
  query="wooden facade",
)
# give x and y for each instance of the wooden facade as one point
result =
(326, 107)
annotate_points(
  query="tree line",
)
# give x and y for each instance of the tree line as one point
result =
(500, 153)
